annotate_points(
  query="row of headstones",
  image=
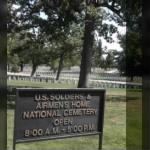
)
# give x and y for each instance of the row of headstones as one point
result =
(74, 82)
(28, 78)
(114, 85)
(102, 76)
(96, 76)
(77, 73)
(108, 77)
(41, 79)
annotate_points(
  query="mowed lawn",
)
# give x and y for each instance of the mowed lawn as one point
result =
(114, 136)
(38, 84)
(134, 119)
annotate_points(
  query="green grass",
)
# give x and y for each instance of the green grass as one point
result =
(109, 91)
(38, 84)
(114, 133)
(114, 136)
(117, 91)
(134, 119)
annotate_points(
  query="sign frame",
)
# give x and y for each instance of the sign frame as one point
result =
(101, 93)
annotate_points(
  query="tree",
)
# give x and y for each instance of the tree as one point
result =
(109, 61)
(86, 54)
(22, 21)
(65, 48)
(97, 54)
(130, 61)
(116, 7)
(11, 43)
(70, 46)
(55, 27)
(31, 49)
(61, 13)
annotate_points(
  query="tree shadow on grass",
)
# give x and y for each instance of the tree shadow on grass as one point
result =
(131, 98)
(115, 98)
(11, 101)
(11, 106)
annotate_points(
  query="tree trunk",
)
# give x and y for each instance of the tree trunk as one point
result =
(60, 66)
(34, 67)
(86, 59)
(131, 79)
(8, 67)
(54, 70)
(21, 66)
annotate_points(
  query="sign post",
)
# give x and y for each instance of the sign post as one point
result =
(43, 114)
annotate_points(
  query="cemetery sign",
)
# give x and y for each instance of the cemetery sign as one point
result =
(43, 114)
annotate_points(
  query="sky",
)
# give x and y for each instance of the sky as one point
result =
(115, 45)
(121, 29)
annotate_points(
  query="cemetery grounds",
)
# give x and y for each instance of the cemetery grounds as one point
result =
(115, 134)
